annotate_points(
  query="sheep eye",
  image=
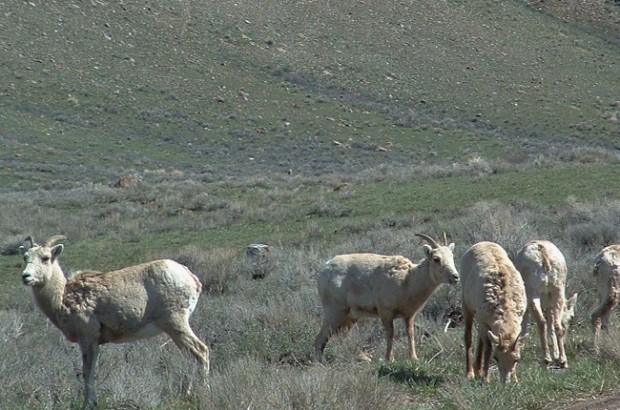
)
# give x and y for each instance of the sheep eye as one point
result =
(437, 259)
(45, 258)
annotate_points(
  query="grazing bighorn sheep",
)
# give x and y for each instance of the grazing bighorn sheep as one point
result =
(543, 269)
(607, 275)
(357, 285)
(493, 295)
(93, 308)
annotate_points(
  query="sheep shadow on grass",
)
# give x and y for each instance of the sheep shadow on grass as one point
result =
(411, 377)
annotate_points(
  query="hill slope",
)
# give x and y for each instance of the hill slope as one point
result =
(232, 88)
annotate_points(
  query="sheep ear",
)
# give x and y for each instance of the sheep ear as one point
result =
(57, 250)
(22, 250)
(521, 339)
(496, 340)
(572, 302)
(427, 249)
(451, 246)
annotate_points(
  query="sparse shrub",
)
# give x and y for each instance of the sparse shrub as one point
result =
(594, 235)
(327, 209)
(496, 222)
(314, 231)
(479, 164)
(216, 268)
(11, 248)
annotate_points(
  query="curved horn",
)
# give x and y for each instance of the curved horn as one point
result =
(428, 239)
(29, 239)
(55, 239)
(514, 345)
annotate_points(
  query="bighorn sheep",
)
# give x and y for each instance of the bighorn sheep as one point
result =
(543, 269)
(357, 285)
(607, 275)
(94, 308)
(493, 295)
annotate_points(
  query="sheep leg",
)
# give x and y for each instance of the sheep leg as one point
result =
(526, 322)
(596, 326)
(320, 341)
(556, 329)
(542, 328)
(388, 327)
(606, 316)
(559, 335)
(487, 348)
(410, 326)
(600, 316)
(90, 352)
(181, 333)
(333, 322)
(468, 319)
(478, 365)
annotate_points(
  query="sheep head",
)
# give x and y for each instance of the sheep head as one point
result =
(440, 260)
(40, 261)
(507, 353)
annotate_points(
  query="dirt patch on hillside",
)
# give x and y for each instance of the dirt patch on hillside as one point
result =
(600, 17)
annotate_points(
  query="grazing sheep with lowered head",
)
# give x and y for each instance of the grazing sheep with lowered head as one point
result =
(94, 308)
(543, 269)
(493, 295)
(357, 285)
(607, 275)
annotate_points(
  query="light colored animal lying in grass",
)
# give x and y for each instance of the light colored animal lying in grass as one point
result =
(493, 295)
(543, 269)
(357, 285)
(93, 308)
(607, 275)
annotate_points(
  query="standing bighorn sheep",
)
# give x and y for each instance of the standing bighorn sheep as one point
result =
(357, 285)
(607, 275)
(543, 269)
(94, 308)
(493, 295)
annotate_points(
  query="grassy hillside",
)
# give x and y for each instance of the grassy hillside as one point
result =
(599, 17)
(318, 128)
(243, 87)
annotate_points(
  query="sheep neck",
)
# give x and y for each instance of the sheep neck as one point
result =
(509, 328)
(49, 296)
(420, 282)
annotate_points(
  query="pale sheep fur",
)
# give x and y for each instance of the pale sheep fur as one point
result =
(493, 295)
(607, 275)
(543, 269)
(353, 286)
(94, 308)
